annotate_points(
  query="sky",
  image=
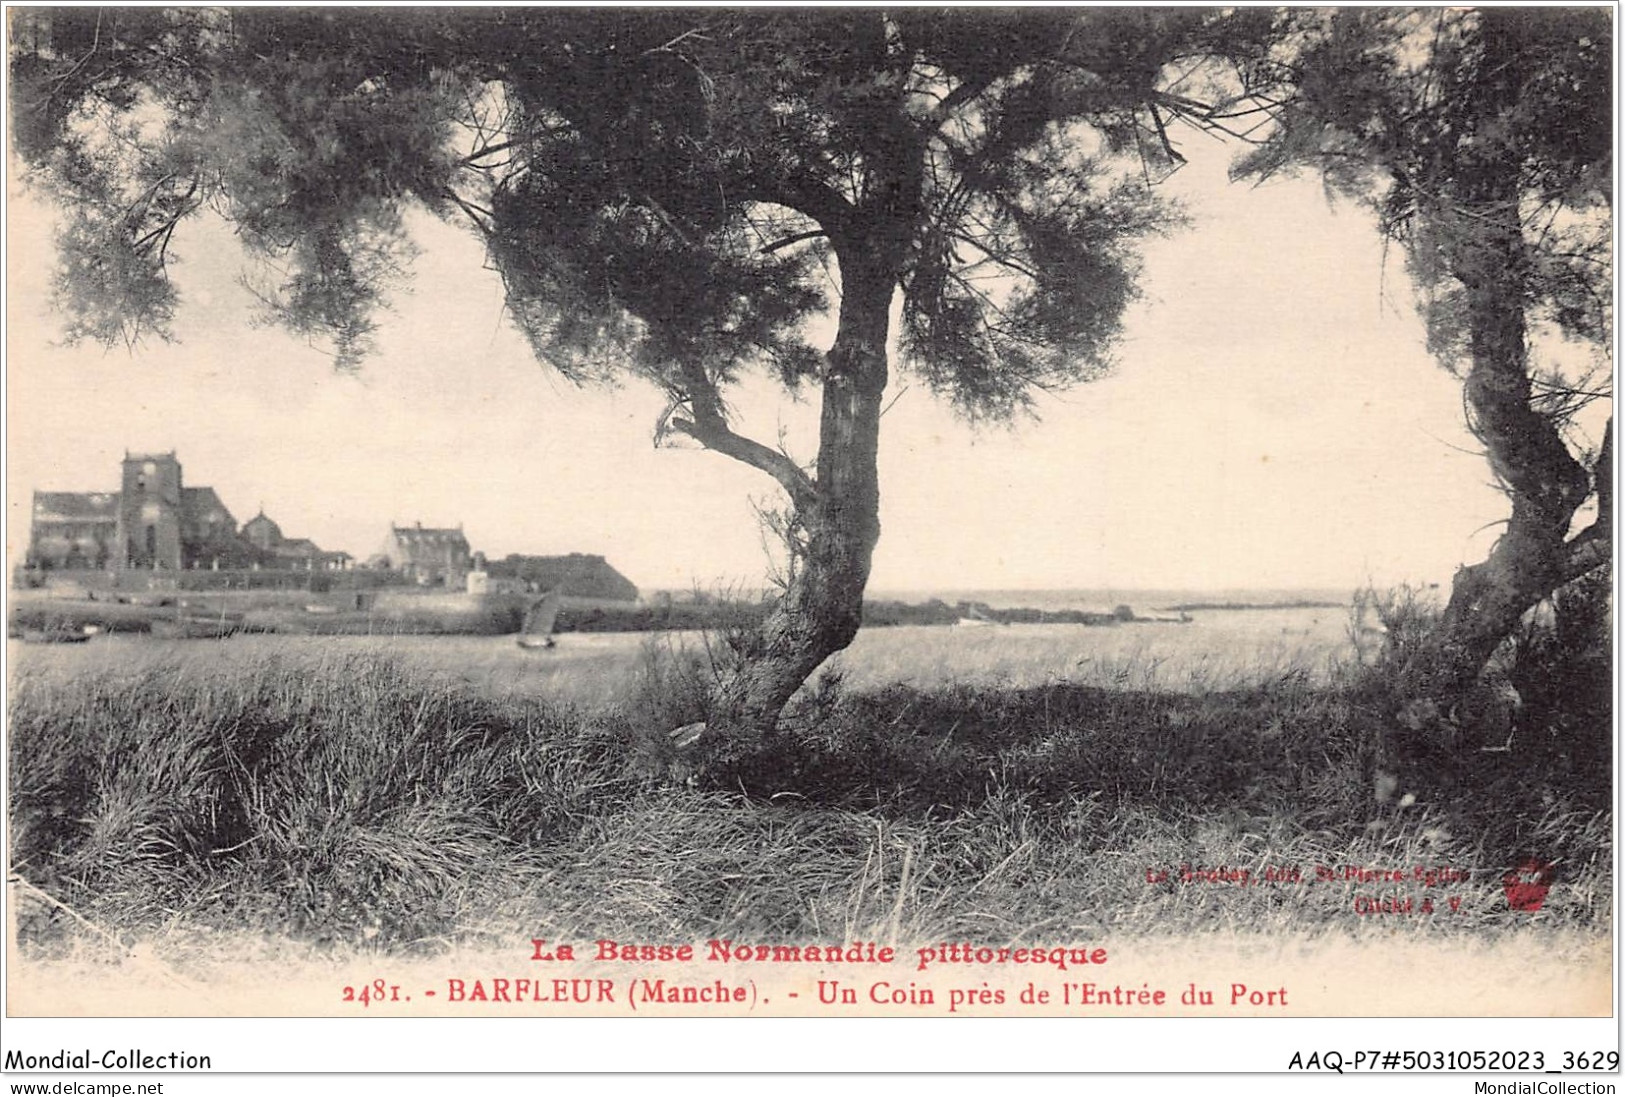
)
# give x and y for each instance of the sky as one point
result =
(1273, 421)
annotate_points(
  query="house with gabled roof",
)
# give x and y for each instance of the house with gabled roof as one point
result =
(274, 550)
(428, 556)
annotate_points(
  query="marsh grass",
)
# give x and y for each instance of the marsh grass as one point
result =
(415, 796)
(326, 799)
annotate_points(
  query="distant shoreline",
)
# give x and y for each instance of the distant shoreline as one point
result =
(415, 612)
(1102, 599)
(1186, 607)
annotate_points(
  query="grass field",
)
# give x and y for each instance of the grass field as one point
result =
(416, 797)
(1217, 651)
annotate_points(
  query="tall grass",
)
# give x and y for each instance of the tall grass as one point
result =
(327, 799)
(350, 798)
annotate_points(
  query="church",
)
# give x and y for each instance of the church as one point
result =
(155, 523)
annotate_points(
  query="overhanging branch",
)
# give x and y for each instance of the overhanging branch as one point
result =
(813, 234)
(709, 428)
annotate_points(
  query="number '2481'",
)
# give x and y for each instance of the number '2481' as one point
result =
(377, 991)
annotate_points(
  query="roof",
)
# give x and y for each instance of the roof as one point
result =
(75, 506)
(261, 519)
(198, 503)
(577, 574)
(419, 535)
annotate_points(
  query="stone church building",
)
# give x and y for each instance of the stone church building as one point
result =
(155, 523)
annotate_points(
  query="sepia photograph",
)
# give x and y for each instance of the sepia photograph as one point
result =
(1083, 513)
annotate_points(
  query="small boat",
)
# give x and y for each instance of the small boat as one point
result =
(974, 616)
(537, 630)
(53, 636)
(195, 628)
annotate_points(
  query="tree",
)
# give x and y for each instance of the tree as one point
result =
(1483, 139)
(669, 194)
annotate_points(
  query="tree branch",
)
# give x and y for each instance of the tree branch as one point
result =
(769, 249)
(473, 212)
(1162, 135)
(817, 201)
(1591, 548)
(1594, 546)
(1602, 476)
(489, 150)
(960, 95)
(709, 427)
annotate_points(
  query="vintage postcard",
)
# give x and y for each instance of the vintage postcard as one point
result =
(1071, 513)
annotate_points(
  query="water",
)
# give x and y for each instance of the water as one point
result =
(1105, 599)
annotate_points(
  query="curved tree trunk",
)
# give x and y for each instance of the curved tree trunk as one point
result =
(822, 605)
(836, 522)
(1545, 483)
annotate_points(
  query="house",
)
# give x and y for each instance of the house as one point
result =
(273, 551)
(155, 523)
(430, 557)
(261, 532)
(483, 582)
(579, 575)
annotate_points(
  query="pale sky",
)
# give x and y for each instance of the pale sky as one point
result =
(1274, 421)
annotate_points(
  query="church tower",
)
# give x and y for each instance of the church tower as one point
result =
(149, 512)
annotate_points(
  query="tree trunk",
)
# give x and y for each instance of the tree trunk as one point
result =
(1545, 483)
(1543, 480)
(822, 605)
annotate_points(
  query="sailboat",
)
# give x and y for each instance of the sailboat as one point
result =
(537, 630)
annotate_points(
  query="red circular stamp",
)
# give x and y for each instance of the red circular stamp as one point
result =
(1526, 886)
